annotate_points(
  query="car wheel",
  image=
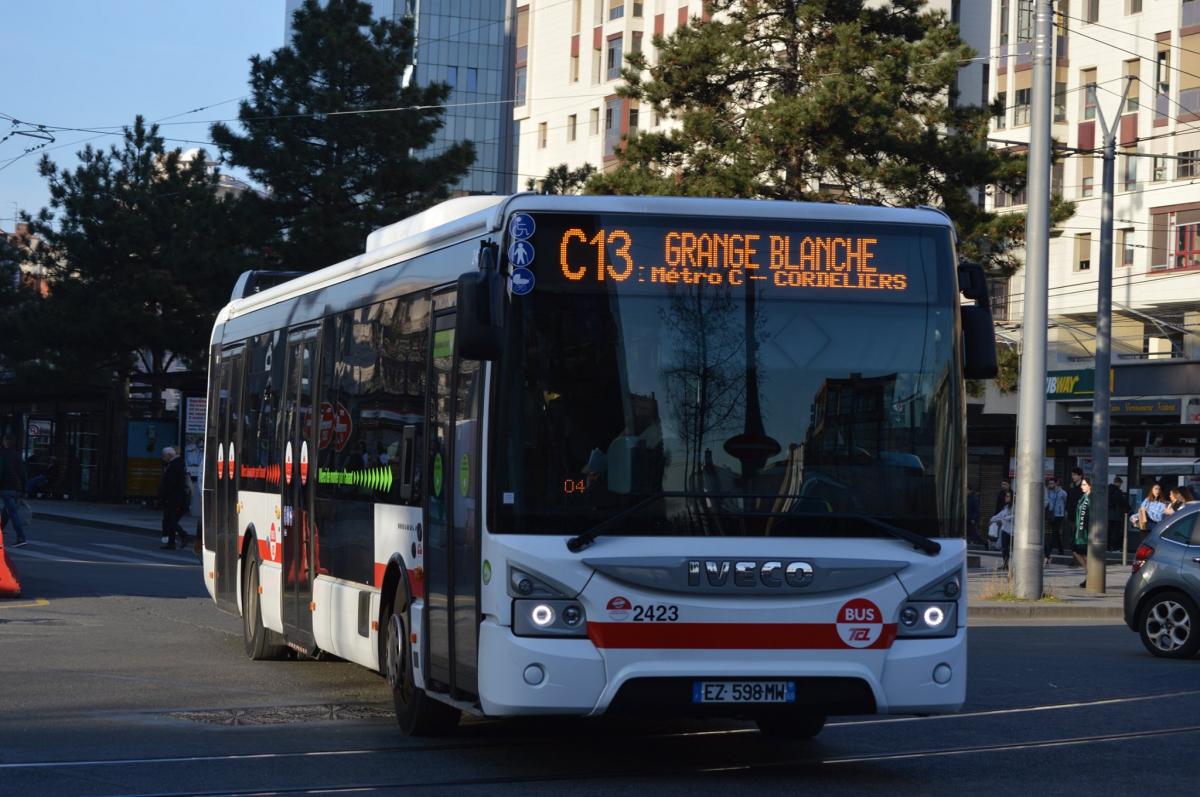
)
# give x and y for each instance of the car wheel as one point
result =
(791, 726)
(416, 712)
(1167, 625)
(260, 642)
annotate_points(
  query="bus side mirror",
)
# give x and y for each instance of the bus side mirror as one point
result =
(978, 332)
(479, 335)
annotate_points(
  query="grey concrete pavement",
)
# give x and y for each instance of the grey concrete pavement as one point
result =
(1067, 600)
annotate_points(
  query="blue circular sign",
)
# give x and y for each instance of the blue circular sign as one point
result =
(521, 226)
(520, 254)
(521, 281)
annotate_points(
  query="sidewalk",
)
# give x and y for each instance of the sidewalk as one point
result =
(115, 517)
(1060, 578)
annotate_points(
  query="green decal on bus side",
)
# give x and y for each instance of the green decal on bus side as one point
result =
(437, 474)
(374, 478)
(443, 343)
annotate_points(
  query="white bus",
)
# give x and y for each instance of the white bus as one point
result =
(586, 455)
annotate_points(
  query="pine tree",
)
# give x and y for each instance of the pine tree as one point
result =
(562, 179)
(321, 136)
(839, 100)
(140, 253)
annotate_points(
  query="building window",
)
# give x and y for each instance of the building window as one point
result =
(574, 69)
(542, 135)
(1162, 84)
(1060, 101)
(1024, 20)
(637, 9)
(1188, 164)
(1056, 178)
(520, 88)
(472, 79)
(613, 62)
(1092, 10)
(593, 121)
(1002, 117)
(633, 121)
(1132, 103)
(1158, 169)
(1088, 186)
(571, 120)
(597, 64)
(616, 9)
(1125, 246)
(576, 15)
(1129, 172)
(1004, 10)
(1083, 252)
(1021, 111)
(636, 44)
(612, 126)
(1187, 246)
(1133, 6)
(1088, 79)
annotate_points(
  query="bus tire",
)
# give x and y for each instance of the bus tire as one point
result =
(416, 712)
(791, 726)
(260, 642)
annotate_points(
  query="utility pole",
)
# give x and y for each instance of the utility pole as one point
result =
(1098, 531)
(1031, 414)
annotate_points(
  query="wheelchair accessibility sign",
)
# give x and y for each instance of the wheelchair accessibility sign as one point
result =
(521, 227)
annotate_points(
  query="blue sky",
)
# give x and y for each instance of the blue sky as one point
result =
(89, 63)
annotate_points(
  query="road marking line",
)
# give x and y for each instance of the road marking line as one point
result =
(28, 554)
(36, 602)
(67, 549)
(142, 551)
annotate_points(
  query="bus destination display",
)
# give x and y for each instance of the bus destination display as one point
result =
(655, 254)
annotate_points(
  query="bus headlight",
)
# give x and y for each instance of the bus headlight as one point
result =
(928, 619)
(561, 618)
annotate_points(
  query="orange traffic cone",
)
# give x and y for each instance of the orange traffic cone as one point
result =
(9, 586)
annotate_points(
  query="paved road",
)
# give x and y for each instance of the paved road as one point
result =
(119, 677)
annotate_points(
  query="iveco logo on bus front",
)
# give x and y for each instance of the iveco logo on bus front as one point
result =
(751, 573)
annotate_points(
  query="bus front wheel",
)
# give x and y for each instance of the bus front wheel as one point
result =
(416, 712)
(260, 642)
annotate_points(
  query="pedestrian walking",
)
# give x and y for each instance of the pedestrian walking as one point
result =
(1056, 513)
(1083, 514)
(1005, 490)
(12, 484)
(1118, 507)
(1074, 493)
(173, 493)
(1003, 522)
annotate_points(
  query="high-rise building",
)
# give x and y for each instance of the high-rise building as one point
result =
(467, 44)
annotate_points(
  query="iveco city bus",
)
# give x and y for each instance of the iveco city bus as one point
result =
(588, 455)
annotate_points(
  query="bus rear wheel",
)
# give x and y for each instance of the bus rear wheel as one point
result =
(416, 712)
(791, 726)
(260, 642)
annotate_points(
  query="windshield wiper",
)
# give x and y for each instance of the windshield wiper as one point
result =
(919, 541)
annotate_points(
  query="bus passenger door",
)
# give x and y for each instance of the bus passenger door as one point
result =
(299, 485)
(228, 427)
(451, 540)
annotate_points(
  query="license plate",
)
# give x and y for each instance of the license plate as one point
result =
(743, 692)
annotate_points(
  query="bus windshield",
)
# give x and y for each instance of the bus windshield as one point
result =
(724, 377)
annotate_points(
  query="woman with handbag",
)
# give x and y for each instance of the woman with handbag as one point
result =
(1152, 508)
(1002, 521)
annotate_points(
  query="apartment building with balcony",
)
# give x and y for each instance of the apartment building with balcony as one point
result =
(569, 57)
(1153, 46)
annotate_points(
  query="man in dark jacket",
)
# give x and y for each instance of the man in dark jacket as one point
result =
(12, 484)
(173, 493)
(1118, 511)
(1074, 494)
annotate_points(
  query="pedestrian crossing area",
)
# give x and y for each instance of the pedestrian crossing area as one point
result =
(107, 553)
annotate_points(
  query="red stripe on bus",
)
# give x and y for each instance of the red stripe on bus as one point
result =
(380, 569)
(728, 636)
(416, 580)
(264, 551)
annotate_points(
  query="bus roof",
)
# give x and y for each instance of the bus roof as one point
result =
(465, 217)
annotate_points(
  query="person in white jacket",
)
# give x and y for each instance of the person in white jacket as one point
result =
(1003, 522)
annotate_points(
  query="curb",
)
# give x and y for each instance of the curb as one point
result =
(97, 524)
(1043, 611)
